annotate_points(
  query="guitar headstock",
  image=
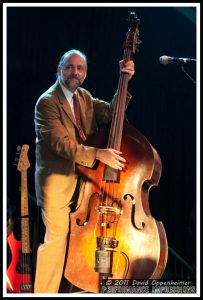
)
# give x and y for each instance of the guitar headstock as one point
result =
(132, 37)
(23, 162)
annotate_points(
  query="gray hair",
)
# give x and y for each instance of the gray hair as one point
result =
(69, 53)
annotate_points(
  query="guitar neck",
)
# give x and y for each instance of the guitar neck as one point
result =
(25, 228)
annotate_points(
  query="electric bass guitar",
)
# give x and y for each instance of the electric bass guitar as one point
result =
(19, 272)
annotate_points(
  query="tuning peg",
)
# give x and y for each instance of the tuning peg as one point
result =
(18, 148)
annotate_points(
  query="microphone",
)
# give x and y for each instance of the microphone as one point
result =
(165, 60)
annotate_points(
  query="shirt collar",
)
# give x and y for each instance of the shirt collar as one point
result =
(68, 94)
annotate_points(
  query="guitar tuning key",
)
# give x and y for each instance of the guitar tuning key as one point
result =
(18, 148)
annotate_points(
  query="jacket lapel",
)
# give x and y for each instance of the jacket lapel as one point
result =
(65, 104)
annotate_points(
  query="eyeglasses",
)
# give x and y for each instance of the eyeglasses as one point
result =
(72, 67)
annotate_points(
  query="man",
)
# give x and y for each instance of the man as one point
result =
(59, 146)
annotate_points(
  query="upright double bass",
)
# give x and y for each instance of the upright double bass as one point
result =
(113, 234)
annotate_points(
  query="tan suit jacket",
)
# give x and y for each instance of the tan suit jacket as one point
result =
(58, 145)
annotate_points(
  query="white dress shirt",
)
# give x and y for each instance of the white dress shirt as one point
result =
(69, 96)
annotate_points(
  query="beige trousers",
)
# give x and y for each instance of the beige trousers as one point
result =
(55, 190)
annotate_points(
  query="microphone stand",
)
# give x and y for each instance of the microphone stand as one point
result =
(186, 73)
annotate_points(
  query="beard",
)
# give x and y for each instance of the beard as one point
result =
(72, 83)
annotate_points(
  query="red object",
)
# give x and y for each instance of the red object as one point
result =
(77, 117)
(19, 273)
(19, 277)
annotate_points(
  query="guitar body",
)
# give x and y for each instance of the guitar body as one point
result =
(19, 277)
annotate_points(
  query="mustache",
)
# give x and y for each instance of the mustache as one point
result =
(74, 76)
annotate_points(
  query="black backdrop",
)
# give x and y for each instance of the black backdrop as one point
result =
(164, 98)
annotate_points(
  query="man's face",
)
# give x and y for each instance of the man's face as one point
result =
(73, 72)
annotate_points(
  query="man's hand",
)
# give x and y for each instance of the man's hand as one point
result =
(111, 157)
(127, 67)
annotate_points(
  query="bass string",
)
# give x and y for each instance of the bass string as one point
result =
(109, 189)
(26, 263)
(109, 194)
